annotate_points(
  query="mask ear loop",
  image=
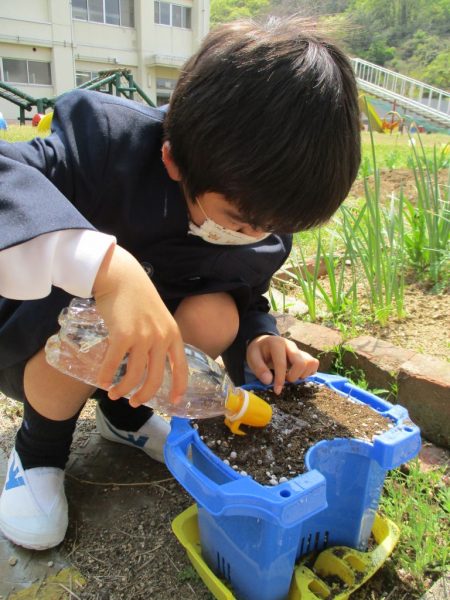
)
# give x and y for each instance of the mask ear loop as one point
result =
(201, 208)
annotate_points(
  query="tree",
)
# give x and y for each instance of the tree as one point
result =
(223, 11)
(437, 72)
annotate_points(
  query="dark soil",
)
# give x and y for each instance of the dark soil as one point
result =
(302, 416)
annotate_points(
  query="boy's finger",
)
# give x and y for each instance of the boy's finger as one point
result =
(258, 366)
(180, 371)
(134, 376)
(297, 366)
(110, 365)
(279, 362)
(302, 365)
(155, 374)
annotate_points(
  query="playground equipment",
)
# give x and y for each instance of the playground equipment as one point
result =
(118, 81)
(36, 119)
(45, 123)
(392, 119)
(390, 122)
(418, 98)
(366, 107)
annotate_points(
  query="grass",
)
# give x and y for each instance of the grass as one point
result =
(429, 220)
(394, 151)
(381, 241)
(18, 133)
(419, 502)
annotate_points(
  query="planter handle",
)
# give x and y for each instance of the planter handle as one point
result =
(223, 492)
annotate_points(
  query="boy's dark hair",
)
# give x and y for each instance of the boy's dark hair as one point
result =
(268, 116)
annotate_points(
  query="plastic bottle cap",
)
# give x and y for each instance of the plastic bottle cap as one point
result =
(248, 409)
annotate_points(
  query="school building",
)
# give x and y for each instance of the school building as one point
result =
(48, 47)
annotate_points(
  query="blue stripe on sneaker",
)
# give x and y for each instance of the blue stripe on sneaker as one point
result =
(139, 441)
(14, 479)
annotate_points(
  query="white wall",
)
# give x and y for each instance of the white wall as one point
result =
(44, 30)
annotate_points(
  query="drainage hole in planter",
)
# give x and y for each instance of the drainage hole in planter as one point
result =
(285, 493)
(223, 566)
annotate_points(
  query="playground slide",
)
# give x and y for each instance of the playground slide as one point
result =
(367, 108)
(45, 123)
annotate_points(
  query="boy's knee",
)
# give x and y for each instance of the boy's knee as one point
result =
(208, 321)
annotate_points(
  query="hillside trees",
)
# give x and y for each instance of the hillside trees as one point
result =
(223, 11)
(409, 36)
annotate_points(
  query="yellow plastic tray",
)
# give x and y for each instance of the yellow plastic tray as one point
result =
(351, 567)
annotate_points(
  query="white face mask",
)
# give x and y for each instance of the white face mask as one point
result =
(213, 233)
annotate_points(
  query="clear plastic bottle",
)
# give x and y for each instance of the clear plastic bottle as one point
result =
(79, 347)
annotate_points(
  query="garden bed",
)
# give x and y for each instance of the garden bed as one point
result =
(302, 416)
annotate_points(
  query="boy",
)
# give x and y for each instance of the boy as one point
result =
(84, 262)
(261, 139)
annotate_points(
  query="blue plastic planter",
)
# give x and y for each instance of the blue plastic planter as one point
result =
(252, 535)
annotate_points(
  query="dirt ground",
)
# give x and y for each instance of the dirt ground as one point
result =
(121, 506)
(392, 181)
(424, 329)
(426, 326)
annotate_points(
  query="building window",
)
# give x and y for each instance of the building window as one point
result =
(164, 88)
(172, 14)
(27, 71)
(79, 9)
(162, 99)
(86, 76)
(165, 84)
(113, 12)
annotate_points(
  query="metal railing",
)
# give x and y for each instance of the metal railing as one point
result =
(420, 98)
(115, 81)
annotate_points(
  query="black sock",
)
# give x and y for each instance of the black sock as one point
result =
(121, 415)
(42, 442)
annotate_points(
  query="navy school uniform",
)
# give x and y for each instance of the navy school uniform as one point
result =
(103, 158)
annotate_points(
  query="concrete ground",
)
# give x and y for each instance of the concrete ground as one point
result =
(20, 568)
(22, 572)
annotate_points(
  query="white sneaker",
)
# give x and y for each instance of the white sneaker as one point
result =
(33, 505)
(150, 438)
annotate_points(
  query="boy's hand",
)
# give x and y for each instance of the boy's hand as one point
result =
(139, 325)
(271, 352)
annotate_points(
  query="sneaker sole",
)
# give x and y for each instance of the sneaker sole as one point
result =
(20, 538)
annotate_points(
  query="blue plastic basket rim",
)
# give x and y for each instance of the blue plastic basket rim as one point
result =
(344, 387)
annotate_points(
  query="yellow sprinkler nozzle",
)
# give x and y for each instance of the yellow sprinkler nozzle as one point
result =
(246, 408)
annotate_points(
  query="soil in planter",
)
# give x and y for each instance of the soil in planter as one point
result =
(303, 415)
